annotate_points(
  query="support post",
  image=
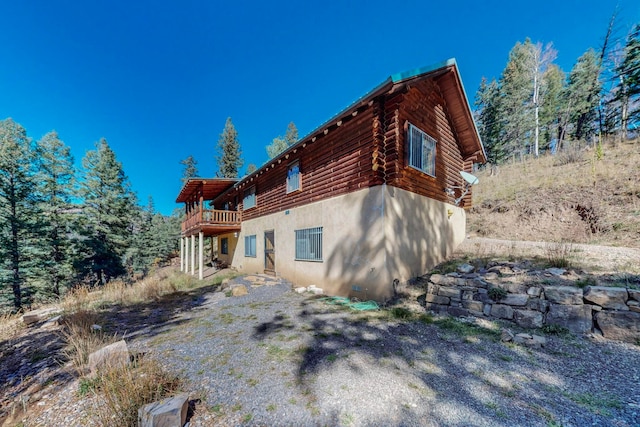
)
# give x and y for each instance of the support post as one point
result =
(200, 255)
(181, 253)
(193, 254)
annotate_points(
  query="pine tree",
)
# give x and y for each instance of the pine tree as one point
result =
(190, 169)
(279, 143)
(229, 155)
(17, 210)
(56, 185)
(108, 212)
(583, 95)
(490, 121)
(628, 75)
(553, 106)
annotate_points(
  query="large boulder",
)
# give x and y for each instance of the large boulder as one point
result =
(528, 318)
(39, 315)
(619, 325)
(170, 412)
(607, 297)
(238, 291)
(563, 295)
(576, 318)
(116, 354)
(502, 311)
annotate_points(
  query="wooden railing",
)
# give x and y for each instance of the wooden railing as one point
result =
(211, 217)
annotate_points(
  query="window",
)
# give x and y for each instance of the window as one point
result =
(422, 151)
(250, 246)
(309, 244)
(224, 246)
(293, 177)
(249, 200)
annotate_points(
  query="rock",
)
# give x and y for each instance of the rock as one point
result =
(515, 299)
(458, 311)
(170, 412)
(486, 310)
(538, 341)
(607, 297)
(530, 340)
(466, 268)
(432, 288)
(474, 306)
(315, 290)
(502, 311)
(452, 293)
(534, 291)
(506, 335)
(576, 318)
(439, 279)
(300, 289)
(563, 295)
(436, 308)
(52, 323)
(514, 288)
(116, 354)
(238, 291)
(437, 299)
(634, 294)
(225, 284)
(39, 315)
(556, 271)
(619, 325)
(491, 276)
(528, 318)
(634, 306)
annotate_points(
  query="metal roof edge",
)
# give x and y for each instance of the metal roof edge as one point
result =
(417, 72)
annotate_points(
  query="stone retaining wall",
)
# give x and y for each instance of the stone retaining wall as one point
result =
(614, 311)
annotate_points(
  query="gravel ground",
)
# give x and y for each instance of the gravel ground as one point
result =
(277, 358)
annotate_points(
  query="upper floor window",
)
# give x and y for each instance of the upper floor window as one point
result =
(421, 150)
(293, 177)
(249, 200)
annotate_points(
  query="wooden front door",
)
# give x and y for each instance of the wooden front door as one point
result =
(269, 252)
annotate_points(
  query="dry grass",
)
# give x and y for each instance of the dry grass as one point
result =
(584, 195)
(81, 338)
(10, 325)
(121, 390)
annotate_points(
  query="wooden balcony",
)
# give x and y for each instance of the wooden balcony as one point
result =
(211, 222)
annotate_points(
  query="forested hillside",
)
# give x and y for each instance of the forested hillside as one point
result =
(60, 227)
(535, 106)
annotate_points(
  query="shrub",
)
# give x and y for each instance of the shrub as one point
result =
(496, 293)
(401, 313)
(558, 254)
(81, 338)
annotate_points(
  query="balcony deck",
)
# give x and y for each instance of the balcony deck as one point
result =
(211, 222)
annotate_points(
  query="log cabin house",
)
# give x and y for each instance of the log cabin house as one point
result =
(371, 198)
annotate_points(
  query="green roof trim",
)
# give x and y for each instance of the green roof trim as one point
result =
(416, 72)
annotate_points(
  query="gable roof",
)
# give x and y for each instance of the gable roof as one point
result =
(211, 187)
(447, 74)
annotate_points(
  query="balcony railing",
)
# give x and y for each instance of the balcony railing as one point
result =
(211, 217)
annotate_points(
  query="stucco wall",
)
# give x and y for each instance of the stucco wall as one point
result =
(370, 237)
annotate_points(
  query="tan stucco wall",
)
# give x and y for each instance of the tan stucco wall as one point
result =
(370, 238)
(233, 244)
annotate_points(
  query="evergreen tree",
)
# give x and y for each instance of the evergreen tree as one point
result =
(56, 185)
(279, 143)
(108, 212)
(229, 155)
(18, 211)
(190, 169)
(628, 74)
(583, 95)
(490, 121)
(552, 108)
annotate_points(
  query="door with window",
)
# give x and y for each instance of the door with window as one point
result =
(269, 252)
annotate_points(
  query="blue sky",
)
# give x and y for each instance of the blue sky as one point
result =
(158, 79)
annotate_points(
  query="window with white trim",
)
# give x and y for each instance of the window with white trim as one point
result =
(224, 246)
(309, 244)
(249, 200)
(293, 177)
(421, 150)
(250, 246)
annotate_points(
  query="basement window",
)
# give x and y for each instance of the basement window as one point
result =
(249, 200)
(421, 151)
(309, 244)
(250, 246)
(293, 177)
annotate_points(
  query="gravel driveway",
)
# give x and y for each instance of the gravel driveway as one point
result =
(278, 358)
